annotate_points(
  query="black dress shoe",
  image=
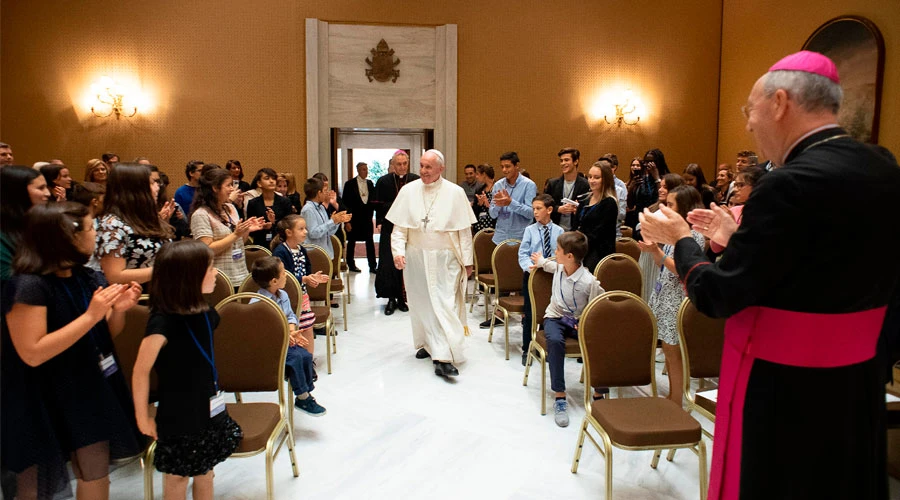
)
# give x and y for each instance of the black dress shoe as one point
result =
(355, 270)
(487, 323)
(422, 354)
(442, 369)
(389, 308)
(402, 306)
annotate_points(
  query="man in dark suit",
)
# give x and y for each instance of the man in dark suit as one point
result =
(569, 185)
(358, 195)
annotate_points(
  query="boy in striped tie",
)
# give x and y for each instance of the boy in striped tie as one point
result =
(540, 238)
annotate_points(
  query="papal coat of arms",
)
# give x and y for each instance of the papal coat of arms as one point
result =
(382, 63)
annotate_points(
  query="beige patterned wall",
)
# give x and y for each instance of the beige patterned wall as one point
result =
(227, 77)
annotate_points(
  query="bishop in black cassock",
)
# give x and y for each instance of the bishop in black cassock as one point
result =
(389, 279)
(805, 283)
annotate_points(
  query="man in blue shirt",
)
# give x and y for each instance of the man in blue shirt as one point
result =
(511, 204)
(184, 195)
(539, 238)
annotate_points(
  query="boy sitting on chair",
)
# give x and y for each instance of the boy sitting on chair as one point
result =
(269, 274)
(573, 288)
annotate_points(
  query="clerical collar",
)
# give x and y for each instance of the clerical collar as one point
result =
(825, 132)
(434, 184)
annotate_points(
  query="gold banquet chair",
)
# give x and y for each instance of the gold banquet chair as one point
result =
(319, 261)
(251, 345)
(345, 266)
(617, 335)
(291, 287)
(629, 247)
(540, 288)
(224, 288)
(339, 285)
(508, 280)
(483, 247)
(253, 252)
(618, 271)
(627, 232)
(701, 340)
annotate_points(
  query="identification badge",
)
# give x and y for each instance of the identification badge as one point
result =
(108, 365)
(237, 253)
(269, 237)
(658, 286)
(216, 404)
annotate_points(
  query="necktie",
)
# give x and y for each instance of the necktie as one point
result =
(546, 239)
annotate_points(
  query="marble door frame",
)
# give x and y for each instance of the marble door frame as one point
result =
(318, 123)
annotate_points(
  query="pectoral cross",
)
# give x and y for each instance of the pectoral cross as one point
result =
(425, 222)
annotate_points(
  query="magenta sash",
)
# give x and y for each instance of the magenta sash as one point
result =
(785, 337)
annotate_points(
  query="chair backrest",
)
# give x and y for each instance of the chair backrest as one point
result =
(702, 339)
(251, 343)
(336, 259)
(128, 342)
(617, 334)
(253, 252)
(294, 291)
(223, 289)
(484, 248)
(618, 271)
(629, 247)
(505, 265)
(627, 232)
(247, 286)
(319, 261)
(540, 288)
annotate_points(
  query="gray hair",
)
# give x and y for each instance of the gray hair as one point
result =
(438, 155)
(4, 145)
(811, 91)
(361, 163)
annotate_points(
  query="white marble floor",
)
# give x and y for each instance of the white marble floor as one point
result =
(395, 430)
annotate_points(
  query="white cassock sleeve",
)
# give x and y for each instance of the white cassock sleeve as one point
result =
(399, 236)
(465, 243)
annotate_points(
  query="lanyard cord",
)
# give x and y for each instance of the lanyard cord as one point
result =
(211, 356)
(563, 296)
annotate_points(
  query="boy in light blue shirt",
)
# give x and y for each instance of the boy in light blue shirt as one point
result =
(318, 222)
(540, 238)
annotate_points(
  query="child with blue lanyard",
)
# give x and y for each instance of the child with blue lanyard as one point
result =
(192, 428)
(573, 288)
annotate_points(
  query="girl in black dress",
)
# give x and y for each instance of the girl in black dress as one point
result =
(71, 400)
(596, 215)
(192, 428)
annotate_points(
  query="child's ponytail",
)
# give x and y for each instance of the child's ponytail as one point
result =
(281, 230)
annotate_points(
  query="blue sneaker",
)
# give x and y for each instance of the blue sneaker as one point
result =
(309, 406)
(559, 412)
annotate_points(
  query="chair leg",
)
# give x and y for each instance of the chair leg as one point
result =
(580, 445)
(655, 461)
(270, 479)
(581, 380)
(328, 341)
(147, 464)
(345, 302)
(528, 359)
(333, 338)
(671, 455)
(487, 302)
(609, 464)
(491, 330)
(347, 281)
(506, 331)
(237, 397)
(704, 479)
(544, 384)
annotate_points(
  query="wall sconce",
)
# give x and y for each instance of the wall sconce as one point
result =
(626, 111)
(110, 95)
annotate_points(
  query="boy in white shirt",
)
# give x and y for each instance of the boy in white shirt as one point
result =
(573, 288)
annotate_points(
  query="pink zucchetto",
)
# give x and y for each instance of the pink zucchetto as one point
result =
(809, 62)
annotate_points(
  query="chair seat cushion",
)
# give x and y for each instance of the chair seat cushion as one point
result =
(322, 313)
(337, 285)
(257, 421)
(645, 421)
(486, 278)
(707, 400)
(572, 347)
(512, 303)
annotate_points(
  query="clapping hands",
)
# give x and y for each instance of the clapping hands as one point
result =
(314, 280)
(717, 223)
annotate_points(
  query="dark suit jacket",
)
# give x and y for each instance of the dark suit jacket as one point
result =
(362, 212)
(257, 208)
(555, 189)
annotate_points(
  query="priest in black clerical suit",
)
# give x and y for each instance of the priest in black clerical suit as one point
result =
(389, 280)
(359, 194)
(805, 285)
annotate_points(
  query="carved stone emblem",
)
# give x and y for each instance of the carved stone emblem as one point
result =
(382, 64)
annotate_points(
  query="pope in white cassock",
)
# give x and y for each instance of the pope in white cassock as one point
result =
(432, 237)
